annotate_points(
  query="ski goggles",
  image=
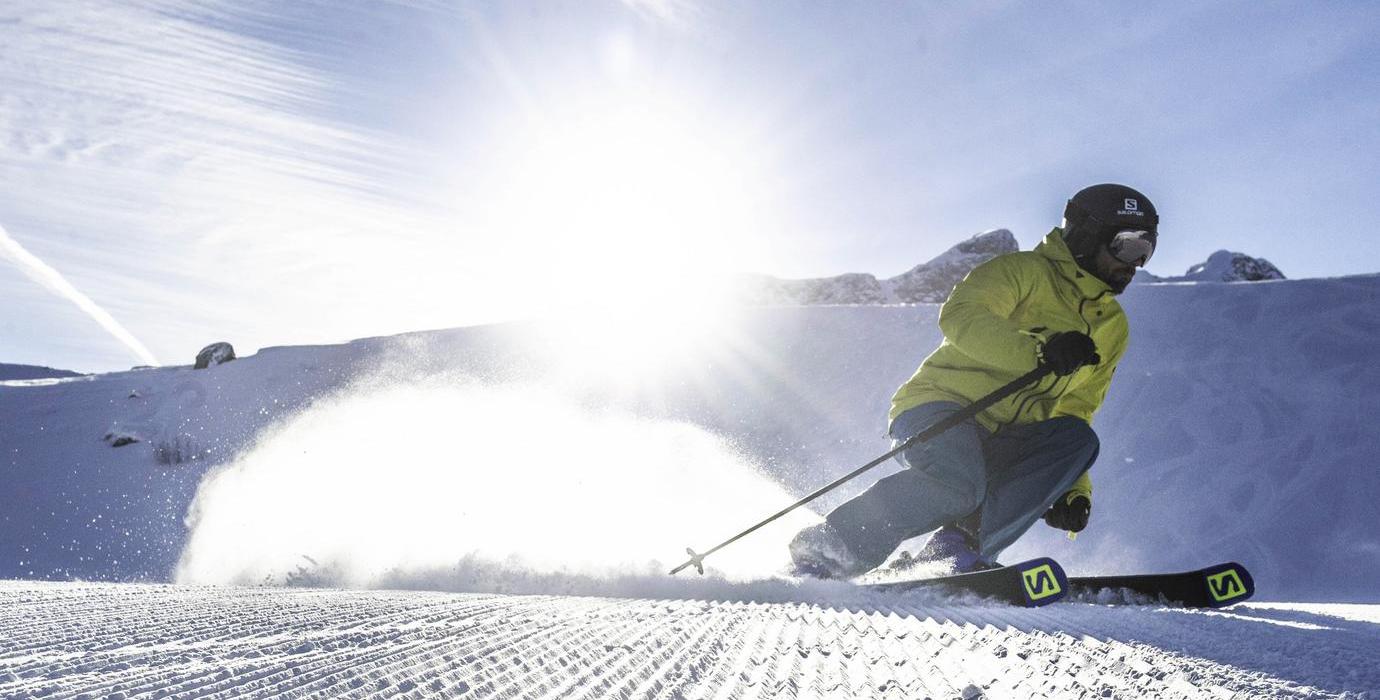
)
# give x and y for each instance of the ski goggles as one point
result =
(1132, 247)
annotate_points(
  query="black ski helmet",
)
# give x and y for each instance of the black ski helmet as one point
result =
(1096, 213)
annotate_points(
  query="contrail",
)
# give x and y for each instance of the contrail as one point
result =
(44, 274)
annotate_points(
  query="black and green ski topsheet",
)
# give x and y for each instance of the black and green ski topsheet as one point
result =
(1030, 583)
(1042, 581)
(1213, 587)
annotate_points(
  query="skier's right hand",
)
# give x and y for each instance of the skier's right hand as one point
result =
(1070, 513)
(1065, 352)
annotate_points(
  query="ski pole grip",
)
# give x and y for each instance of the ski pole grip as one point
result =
(696, 560)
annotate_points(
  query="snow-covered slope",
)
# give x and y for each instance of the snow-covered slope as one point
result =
(1238, 410)
(580, 459)
(140, 641)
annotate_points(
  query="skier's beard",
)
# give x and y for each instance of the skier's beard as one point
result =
(1118, 281)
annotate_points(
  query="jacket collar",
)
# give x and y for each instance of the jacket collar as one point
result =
(1054, 249)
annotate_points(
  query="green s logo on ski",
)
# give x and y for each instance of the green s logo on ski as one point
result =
(1226, 585)
(1040, 582)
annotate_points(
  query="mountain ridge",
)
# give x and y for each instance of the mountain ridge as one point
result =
(12, 372)
(930, 282)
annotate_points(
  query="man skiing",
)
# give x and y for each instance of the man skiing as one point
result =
(983, 483)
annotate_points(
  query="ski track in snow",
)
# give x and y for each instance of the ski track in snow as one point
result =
(85, 640)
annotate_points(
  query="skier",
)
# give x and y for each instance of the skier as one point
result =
(983, 483)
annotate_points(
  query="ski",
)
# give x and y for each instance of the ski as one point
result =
(1030, 583)
(1213, 587)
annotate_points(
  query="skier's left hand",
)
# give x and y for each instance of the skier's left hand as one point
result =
(1069, 513)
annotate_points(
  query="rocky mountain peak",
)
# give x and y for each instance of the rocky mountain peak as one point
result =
(928, 282)
(1222, 266)
(1229, 266)
(931, 282)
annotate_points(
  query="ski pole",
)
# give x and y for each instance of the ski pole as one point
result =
(982, 404)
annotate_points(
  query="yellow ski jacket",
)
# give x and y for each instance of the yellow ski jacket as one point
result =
(994, 323)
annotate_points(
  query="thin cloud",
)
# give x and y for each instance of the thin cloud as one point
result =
(207, 168)
(680, 14)
(44, 274)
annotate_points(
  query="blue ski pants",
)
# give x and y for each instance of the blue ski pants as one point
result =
(998, 484)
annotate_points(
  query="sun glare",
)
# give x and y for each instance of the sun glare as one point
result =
(627, 198)
(620, 56)
(623, 206)
(636, 350)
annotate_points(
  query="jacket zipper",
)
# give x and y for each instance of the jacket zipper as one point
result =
(1087, 325)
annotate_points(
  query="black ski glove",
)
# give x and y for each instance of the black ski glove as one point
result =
(1069, 513)
(1067, 351)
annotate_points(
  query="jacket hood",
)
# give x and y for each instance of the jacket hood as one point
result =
(1057, 251)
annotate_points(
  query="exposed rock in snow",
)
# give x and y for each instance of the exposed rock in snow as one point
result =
(119, 438)
(930, 282)
(178, 450)
(214, 354)
(1228, 266)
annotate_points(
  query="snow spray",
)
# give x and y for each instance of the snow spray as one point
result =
(475, 487)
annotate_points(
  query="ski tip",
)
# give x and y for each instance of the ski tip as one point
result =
(1043, 581)
(1227, 584)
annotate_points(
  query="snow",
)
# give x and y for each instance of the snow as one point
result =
(1358, 613)
(1237, 409)
(390, 455)
(528, 459)
(66, 639)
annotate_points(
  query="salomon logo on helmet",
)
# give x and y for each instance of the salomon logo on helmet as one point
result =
(1111, 205)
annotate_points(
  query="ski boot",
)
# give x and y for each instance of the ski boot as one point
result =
(953, 545)
(819, 551)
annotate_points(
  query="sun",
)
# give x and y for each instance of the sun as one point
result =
(628, 212)
(618, 204)
(628, 196)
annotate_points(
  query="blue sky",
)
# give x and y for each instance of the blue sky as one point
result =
(271, 173)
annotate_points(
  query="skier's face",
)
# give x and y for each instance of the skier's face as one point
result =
(1115, 273)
